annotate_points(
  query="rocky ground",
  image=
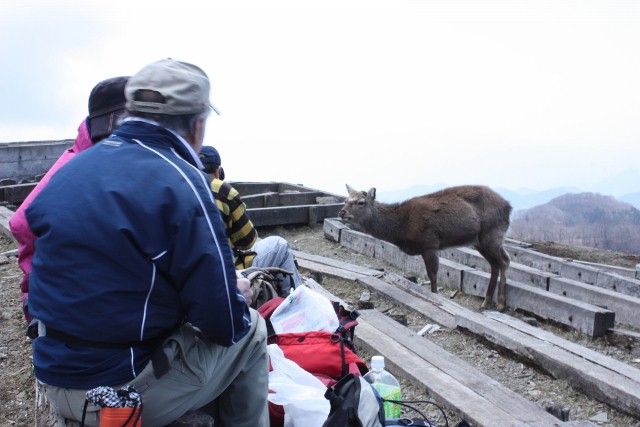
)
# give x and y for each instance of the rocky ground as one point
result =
(17, 391)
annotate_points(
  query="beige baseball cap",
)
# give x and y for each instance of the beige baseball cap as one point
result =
(184, 86)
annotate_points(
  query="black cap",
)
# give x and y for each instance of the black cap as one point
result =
(106, 105)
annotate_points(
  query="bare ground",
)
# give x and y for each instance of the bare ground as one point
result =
(17, 391)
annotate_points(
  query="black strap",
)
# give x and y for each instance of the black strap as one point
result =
(84, 412)
(133, 411)
(73, 340)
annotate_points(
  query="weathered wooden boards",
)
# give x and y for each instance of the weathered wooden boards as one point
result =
(281, 203)
(596, 375)
(462, 268)
(451, 381)
(555, 265)
(599, 376)
(268, 203)
(16, 193)
(584, 283)
(475, 396)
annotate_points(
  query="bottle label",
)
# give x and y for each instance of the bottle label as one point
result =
(392, 392)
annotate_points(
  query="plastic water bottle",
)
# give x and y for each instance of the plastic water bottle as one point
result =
(386, 385)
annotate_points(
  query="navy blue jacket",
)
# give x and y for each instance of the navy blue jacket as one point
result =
(130, 245)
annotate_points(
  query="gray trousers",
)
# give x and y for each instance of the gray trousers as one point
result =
(230, 383)
(274, 251)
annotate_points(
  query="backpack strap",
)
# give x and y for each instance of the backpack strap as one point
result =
(266, 310)
(348, 322)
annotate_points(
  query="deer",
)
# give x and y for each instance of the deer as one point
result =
(456, 216)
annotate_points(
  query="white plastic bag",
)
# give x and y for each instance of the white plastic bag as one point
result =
(304, 310)
(299, 392)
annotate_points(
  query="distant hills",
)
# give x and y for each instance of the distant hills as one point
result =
(584, 219)
(519, 199)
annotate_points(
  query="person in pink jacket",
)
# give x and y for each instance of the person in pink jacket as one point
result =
(106, 108)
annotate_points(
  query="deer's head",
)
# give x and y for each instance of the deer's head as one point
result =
(358, 207)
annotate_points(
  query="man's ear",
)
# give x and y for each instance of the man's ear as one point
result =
(197, 133)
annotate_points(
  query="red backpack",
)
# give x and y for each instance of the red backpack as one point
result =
(328, 356)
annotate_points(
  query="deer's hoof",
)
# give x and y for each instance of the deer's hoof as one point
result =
(501, 308)
(485, 305)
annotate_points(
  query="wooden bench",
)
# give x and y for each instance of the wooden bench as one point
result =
(584, 317)
(599, 376)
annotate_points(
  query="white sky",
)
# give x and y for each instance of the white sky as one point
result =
(385, 93)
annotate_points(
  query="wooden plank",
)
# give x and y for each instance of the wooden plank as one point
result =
(552, 264)
(452, 308)
(586, 318)
(332, 228)
(622, 271)
(597, 375)
(517, 272)
(248, 188)
(288, 215)
(626, 307)
(15, 194)
(618, 283)
(534, 259)
(619, 279)
(618, 367)
(589, 319)
(461, 400)
(271, 199)
(360, 242)
(579, 272)
(434, 306)
(327, 269)
(561, 358)
(463, 373)
(447, 307)
(593, 379)
(449, 273)
(363, 271)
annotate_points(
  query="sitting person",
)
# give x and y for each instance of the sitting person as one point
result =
(106, 108)
(133, 282)
(272, 251)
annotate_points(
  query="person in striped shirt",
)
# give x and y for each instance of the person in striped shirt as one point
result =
(248, 249)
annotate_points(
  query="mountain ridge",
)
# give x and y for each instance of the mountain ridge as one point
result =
(520, 199)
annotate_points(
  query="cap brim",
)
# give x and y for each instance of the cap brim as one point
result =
(102, 126)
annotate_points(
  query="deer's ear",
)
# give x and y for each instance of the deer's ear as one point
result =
(350, 189)
(372, 193)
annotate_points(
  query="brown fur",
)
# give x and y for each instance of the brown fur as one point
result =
(456, 216)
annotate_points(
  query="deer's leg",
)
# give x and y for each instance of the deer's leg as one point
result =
(502, 288)
(493, 280)
(491, 253)
(431, 262)
(498, 259)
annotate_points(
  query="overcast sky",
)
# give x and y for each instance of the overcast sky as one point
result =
(384, 94)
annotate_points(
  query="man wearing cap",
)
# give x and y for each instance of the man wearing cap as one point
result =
(272, 251)
(106, 109)
(144, 292)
